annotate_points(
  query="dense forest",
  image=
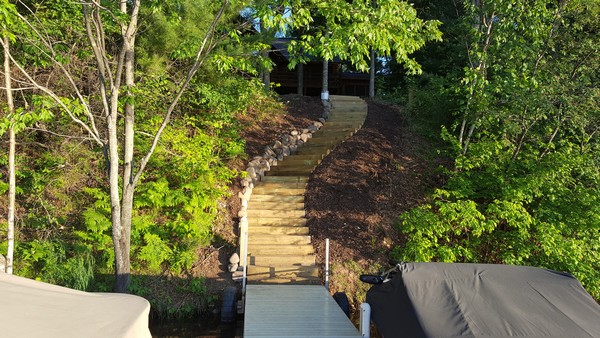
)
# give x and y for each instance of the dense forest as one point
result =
(121, 127)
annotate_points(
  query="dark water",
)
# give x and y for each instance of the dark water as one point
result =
(198, 328)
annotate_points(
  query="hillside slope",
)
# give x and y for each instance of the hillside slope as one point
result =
(353, 197)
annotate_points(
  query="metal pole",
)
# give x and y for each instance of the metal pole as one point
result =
(327, 264)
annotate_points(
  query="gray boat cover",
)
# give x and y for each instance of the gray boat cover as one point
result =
(30, 308)
(482, 300)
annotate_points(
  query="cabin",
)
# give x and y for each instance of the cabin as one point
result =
(310, 75)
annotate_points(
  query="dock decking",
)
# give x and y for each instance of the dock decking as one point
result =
(294, 311)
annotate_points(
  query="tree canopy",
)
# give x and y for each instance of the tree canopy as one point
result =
(522, 101)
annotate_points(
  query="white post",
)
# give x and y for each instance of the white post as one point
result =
(365, 320)
(245, 259)
(327, 264)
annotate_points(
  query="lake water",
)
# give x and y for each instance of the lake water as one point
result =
(203, 328)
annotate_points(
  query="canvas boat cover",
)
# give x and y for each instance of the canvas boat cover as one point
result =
(30, 308)
(482, 300)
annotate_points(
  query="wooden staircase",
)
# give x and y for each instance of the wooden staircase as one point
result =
(279, 244)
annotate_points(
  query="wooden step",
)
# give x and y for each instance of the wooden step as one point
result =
(256, 197)
(302, 179)
(291, 171)
(353, 115)
(274, 274)
(337, 104)
(261, 190)
(321, 141)
(276, 221)
(292, 161)
(341, 124)
(333, 137)
(259, 250)
(344, 97)
(260, 238)
(294, 164)
(260, 205)
(341, 121)
(273, 230)
(304, 150)
(282, 260)
(275, 186)
(253, 213)
(333, 133)
(348, 108)
(302, 157)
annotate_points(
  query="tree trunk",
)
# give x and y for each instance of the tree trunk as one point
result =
(468, 139)
(265, 75)
(122, 239)
(372, 75)
(300, 79)
(372, 69)
(267, 79)
(12, 186)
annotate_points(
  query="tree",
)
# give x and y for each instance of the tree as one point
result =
(350, 30)
(524, 185)
(10, 109)
(111, 31)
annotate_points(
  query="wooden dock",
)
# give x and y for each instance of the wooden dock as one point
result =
(294, 311)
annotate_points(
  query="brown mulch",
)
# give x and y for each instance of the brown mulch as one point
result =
(353, 198)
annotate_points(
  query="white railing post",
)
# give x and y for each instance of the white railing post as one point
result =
(244, 250)
(327, 264)
(365, 320)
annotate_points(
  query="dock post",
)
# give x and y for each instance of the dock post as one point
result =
(245, 258)
(327, 264)
(365, 320)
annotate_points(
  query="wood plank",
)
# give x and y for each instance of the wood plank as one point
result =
(256, 205)
(289, 230)
(260, 213)
(291, 161)
(323, 150)
(280, 249)
(302, 157)
(303, 179)
(257, 238)
(278, 191)
(291, 171)
(282, 260)
(256, 197)
(274, 186)
(273, 221)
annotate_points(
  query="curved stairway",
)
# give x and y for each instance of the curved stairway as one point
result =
(279, 244)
